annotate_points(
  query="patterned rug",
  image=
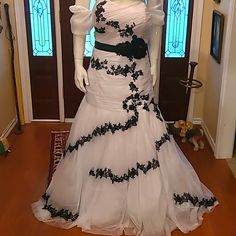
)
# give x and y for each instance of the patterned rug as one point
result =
(58, 142)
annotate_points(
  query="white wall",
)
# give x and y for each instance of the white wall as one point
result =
(227, 110)
(7, 102)
(210, 99)
(215, 75)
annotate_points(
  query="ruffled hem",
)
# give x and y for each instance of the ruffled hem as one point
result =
(128, 228)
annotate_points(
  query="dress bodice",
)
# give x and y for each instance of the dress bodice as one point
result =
(116, 22)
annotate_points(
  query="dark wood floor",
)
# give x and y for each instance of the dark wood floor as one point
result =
(23, 178)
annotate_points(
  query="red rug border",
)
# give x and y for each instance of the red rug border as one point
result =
(51, 154)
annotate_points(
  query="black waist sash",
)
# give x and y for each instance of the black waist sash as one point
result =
(137, 48)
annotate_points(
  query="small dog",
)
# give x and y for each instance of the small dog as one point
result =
(190, 133)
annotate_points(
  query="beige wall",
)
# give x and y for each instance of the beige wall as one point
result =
(209, 71)
(7, 104)
(7, 100)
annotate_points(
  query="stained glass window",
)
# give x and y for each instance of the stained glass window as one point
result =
(176, 28)
(90, 39)
(41, 27)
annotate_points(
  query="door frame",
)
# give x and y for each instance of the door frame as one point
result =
(24, 60)
(226, 123)
(195, 48)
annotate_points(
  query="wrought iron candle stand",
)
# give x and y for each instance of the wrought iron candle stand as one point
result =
(191, 83)
(18, 129)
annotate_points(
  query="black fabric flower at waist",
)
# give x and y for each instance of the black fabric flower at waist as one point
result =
(137, 48)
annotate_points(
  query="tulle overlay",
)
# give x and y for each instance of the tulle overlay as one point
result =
(122, 171)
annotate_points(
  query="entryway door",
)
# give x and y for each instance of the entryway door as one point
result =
(176, 37)
(72, 95)
(40, 27)
(175, 53)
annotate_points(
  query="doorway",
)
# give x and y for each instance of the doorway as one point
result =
(175, 54)
(73, 104)
(176, 38)
(42, 54)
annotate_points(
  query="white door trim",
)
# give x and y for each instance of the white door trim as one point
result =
(226, 123)
(24, 60)
(194, 48)
(59, 60)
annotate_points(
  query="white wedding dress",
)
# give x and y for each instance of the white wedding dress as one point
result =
(122, 171)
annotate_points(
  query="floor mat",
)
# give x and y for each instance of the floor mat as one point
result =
(58, 142)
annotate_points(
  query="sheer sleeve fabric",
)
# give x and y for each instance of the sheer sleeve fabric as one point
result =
(81, 20)
(157, 14)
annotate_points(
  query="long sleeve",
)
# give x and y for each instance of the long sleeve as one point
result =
(157, 14)
(81, 20)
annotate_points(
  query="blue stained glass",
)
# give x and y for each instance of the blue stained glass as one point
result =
(176, 28)
(90, 38)
(41, 27)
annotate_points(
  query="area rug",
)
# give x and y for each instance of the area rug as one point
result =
(58, 142)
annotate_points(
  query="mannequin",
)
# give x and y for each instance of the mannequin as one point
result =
(79, 45)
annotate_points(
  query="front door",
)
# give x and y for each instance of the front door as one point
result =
(173, 99)
(176, 37)
(72, 95)
(40, 29)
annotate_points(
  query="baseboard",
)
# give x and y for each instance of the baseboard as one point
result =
(45, 120)
(197, 121)
(69, 120)
(9, 128)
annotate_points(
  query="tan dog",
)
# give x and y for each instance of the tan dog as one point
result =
(188, 132)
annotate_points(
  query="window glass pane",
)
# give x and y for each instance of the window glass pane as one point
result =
(41, 27)
(90, 39)
(176, 28)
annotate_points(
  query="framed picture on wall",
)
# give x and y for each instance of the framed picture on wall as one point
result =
(217, 35)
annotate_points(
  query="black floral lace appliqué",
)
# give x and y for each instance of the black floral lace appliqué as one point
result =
(164, 139)
(127, 69)
(157, 110)
(133, 87)
(100, 30)
(136, 100)
(102, 130)
(98, 64)
(62, 213)
(116, 70)
(114, 24)
(131, 173)
(194, 200)
(126, 32)
(100, 11)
